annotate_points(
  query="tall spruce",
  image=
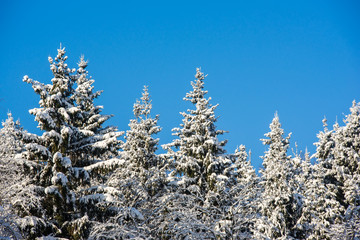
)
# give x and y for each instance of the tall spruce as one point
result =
(93, 141)
(196, 163)
(321, 209)
(139, 180)
(57, 109)
(198, 146)
(280, 204)
(72, 124)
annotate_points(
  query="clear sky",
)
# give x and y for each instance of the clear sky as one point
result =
(300, 58)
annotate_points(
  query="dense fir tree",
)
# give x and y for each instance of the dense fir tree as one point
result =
(93, 141)
(347, 157)
(11, 138)
(321, 208)
(56, 109)
(280, 203)
(245, 195)
(197, 168)
(345, 169)
(73, 137)
(72, 124)
(198, 146)
(139, 180)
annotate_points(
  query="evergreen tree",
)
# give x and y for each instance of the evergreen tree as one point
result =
(238, 198)
(56, 108)
(141, 165)
(196, 159)
(347, 158)
(11, 135)
(72, 124)
(93, 141)
(321, 209)
(139, 180)
(246, 193)
(197, 168)
(73, 137)
(280, 203)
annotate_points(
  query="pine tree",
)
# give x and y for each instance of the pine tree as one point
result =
(321, 208)
(345, 170)
(72, 124)
(93, 141)
(198, 146)
(197, 164)
(73, 137)
(139, 180)
(141, 164)
(279, 205)
(56, 109)
(347, 157)
(245, 194)
(237, 199)
(11, 135)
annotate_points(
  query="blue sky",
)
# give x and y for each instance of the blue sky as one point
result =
(300, 58)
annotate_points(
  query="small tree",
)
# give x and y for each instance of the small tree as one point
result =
(11, 135)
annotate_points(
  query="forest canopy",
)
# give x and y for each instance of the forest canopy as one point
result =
(84, 179)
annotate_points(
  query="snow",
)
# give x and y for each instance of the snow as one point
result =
(59, 178)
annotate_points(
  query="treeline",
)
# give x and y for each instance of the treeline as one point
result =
(78, 180)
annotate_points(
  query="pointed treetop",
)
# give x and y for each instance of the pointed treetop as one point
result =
(144, 107)
(198, 93)
(82, 64)
(61, 52)
(324, 121)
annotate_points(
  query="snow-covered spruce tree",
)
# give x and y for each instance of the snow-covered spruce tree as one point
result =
(93, 141)
(244, 193)
(56, 109)
(279, 207)
(139, 149)
(236, 198)
(196, 159)
(139, 180)
(72, 124)
(346, 165)
(321, 208)
(18, 196)
(11, 135)
(197, 165)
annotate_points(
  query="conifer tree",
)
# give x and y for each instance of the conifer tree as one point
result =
(72, 124)
(73, 137)
(345, 170)
(197, 163)
(321, 209)
(93, 141)
(198, 146)
(347, 157)
(11, 135)
(56, 109)
(279, 205)
(141, 164)
(245, 194)
(139, 179)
